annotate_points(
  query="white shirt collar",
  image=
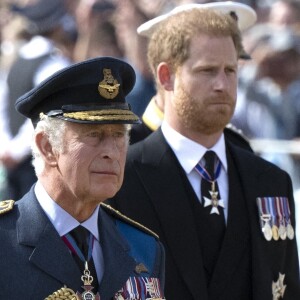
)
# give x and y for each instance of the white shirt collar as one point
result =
(188, 152)
(62, 220)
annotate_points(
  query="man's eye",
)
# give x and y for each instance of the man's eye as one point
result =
(230, 70)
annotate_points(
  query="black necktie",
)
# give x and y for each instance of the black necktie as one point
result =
(213, 215)
(81, 237)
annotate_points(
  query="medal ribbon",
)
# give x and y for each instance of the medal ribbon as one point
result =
(72, 245)
(142, 288)
(286, 210)
(272, 210)
(153, 287)
(263, 206)
(279, 211)
(132, 289)
(205, 175)
(260, 208)
(258, 201)
(266, 207)
(264, 210)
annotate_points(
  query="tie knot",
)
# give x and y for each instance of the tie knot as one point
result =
(81, 235)
(210, 159)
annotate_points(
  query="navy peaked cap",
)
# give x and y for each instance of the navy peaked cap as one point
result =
(92, 91)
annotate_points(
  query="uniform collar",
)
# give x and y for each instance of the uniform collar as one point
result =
(153, 116)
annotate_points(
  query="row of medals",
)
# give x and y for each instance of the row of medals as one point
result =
(274, 232)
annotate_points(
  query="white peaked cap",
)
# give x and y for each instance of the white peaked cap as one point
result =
(246, 15)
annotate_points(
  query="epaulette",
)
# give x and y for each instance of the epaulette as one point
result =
(124, 218)
(6, 206)
(237, 131)
(237, 137)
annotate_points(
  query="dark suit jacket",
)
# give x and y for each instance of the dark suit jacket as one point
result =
(35, 262)
(139, 132)
(155, 193)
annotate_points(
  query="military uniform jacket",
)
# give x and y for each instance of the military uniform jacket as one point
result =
(35, 262)
(155, 192)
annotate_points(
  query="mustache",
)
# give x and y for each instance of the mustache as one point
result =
(224, 98)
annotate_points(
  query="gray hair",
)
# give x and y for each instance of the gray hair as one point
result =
(54, 128)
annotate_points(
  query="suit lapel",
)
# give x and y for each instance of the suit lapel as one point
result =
(159, 164)
(49, 253)
(119, 265)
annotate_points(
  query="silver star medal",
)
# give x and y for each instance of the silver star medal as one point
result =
(214, 201)
(278, 287)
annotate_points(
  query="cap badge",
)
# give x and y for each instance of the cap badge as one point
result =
(234, 16)
(109, 86)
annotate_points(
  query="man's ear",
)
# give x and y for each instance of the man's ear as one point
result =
(46, 150)
(165, 76)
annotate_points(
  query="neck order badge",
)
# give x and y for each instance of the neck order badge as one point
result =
(80, 241)
(210, 173)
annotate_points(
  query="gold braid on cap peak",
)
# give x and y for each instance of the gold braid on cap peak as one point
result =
(128, 220)
(102, 115)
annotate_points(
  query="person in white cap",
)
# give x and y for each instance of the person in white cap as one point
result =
(225, 216)
(244, 14)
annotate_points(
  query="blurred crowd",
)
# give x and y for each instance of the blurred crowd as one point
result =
(268, 106)
(39, 39)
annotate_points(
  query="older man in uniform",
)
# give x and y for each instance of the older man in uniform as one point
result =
(59, 241)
